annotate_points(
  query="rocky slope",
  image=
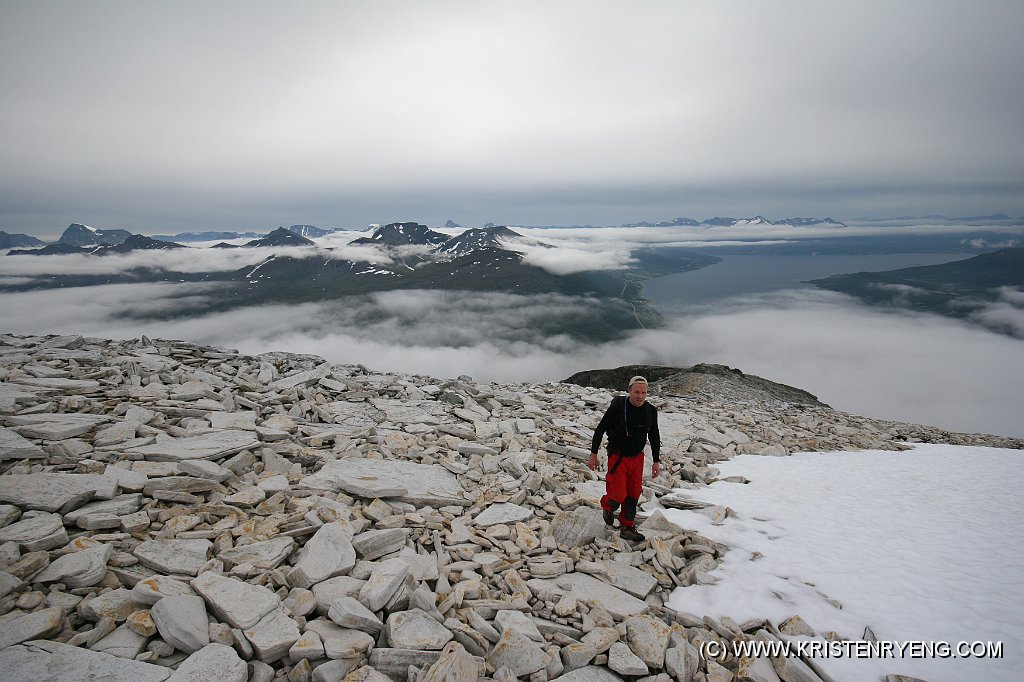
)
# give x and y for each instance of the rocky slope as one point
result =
(177, 512)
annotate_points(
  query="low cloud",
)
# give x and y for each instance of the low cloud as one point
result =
(566, 259)
(908, 367)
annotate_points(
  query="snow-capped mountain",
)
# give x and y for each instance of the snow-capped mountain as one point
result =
(308, 231)
(77, 234)
(719, 221)
(282, 236)
(402, 234)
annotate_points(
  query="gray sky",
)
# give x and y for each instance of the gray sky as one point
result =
(172, 116)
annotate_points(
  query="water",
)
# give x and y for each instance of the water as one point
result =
(737, 275)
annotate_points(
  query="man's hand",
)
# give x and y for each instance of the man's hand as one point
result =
(592, 462)
(655, 469)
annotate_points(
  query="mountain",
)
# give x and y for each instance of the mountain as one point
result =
(281, 237)
(9, 241)
(451, 223)
(403, 234)
(77, 234)
(134, 242)
(308, 231)
(477, 260)
(719, 221)
(55, 249)
(480, 238)
(138, 242)
(959, 289)
(206, 236)
(675, 222)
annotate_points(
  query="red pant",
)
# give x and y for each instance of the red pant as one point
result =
(623, 484)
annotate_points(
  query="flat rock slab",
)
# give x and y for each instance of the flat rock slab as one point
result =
(411, 411)
(12, 393)
(265, 555)
(74, 386)
(235, 602)
(327, 554)
(352, 417)
(123, 643)
(273, 636)
(44, 661)
(182, 622)
(151, 590)
(577, 527)
(341, 642)
(416, 629)
(55, 492)
(184, 557)
(210, 445)
(373, 544)
(78, 569)
(245, 420)
(425, 484)
(212, 663)
(586, 588)
(122, 505)
(309, 376)
(385, 580)
(589, 673)
(15, 446)
(17, 629)
(504, 512)
(625, 577)
(44, 531)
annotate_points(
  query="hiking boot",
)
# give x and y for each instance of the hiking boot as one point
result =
(630, 534)
(609, 518)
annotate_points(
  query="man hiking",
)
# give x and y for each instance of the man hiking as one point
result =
(629, 422)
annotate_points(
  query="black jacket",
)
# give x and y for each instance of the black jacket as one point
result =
(629, 428)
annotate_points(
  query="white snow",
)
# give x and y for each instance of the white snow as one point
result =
(923, 545)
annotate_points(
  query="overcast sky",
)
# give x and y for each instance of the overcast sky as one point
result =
(172, 116)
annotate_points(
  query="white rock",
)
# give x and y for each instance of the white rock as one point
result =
(340, 642)
(34, 533)
(182, 622)
(519, 653)
(327, 554)
(506, 619)
(624, 661)
(18, 629)
(385, 580)
(55, 492)
(233, 601)
(505, 512)
(350, 613)
(273, 636)
(78, 569)
(212, 663)
(183, 557)
(415, 629)
(42, 661)
(150, 590)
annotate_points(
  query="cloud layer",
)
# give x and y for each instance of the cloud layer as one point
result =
(917, 368)
(150, 116)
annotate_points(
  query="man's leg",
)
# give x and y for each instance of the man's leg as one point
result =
(615, 485)
(634, 488)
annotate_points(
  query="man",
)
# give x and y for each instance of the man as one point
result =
(629, 422)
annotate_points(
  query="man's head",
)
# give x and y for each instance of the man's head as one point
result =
(637, 391)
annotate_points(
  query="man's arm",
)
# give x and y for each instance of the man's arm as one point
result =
(655, 437)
